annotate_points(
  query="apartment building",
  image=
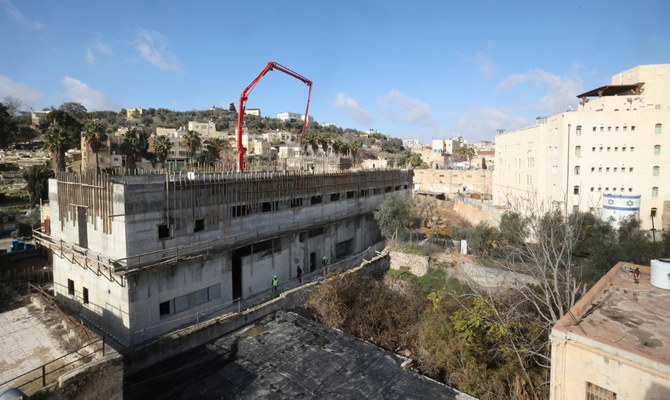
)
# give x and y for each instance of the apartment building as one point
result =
(615, 143)
(293, 117)
(448, 146)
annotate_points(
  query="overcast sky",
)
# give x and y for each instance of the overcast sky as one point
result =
(411, 69)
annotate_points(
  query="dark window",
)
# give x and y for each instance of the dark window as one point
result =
(653, 212)
(85, 296)
(387, 189)
(302, 236)
(335, 197)
(350, 194)
(163, 231)
(266, 207)
(295, 203)
(397, 188)
(240, 211)
(317, 199)
(405, 186)
(576, 190)
(315, 232)
(365, 192)
(376, 191)
(164, 308)
(70, 287)
(199, 225)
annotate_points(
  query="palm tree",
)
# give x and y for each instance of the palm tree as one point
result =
(215, 147)
(133, 149)
(313, 140)
(95, 137)
(324, 140)
(57, 141)
(192, 142)
(353, 147)
(466, 152)
(304, 141)
(470, 153)
(162, 146)
(338, 146)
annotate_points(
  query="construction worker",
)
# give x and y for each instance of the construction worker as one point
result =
(275, 284)
(325, 260)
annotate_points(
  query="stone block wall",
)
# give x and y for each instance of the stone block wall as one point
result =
(416, 264)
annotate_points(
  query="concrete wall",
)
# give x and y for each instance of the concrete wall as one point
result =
(207, 331)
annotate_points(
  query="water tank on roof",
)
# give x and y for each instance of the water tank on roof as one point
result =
(619, 206)
(660, 273)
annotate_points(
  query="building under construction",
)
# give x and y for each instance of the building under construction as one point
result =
(141, 254)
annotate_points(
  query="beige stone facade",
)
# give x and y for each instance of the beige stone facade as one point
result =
(453, 181)
(616, 143)
(614, 341)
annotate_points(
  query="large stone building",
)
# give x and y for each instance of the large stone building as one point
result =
(615, 342)
(616, 142)
(142, 255)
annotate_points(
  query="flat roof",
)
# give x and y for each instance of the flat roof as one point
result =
(634, 317)
(286, 356)
(611, 90)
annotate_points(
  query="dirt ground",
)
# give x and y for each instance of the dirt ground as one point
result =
(447, 215)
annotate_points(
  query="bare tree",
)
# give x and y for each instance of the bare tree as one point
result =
(536, 243)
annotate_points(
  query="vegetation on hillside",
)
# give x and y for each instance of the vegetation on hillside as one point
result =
(491, 344)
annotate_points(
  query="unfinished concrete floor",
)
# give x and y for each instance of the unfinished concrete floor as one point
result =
(25, 344)
(285, 356)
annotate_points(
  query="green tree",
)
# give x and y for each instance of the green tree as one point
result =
(392, 216)
(134, 146)
(467, 153)
(7, 127)
(162, 146)
(354, 146)
(67, 122)
(192, 142)
(215, 146)
(57, 142)
(415, 160)
(324, 140)
(95, 137)
(338, 146)
(37, 182)
(77, 110)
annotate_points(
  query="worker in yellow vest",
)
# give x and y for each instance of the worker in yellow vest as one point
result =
(275, 284)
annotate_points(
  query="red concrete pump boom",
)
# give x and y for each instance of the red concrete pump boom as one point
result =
(245, 95)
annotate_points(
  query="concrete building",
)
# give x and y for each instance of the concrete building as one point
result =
(109, 154)
(614, 143)
(448, 146)
(614, 343)
(206, 129)
(142, 255)
(293, 117)
(411, 143)
(252, 111)
(134, 113)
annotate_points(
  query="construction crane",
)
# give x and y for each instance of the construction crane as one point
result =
(243, 100)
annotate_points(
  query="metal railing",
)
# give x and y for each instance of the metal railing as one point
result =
(236, 306)
(31, 381)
